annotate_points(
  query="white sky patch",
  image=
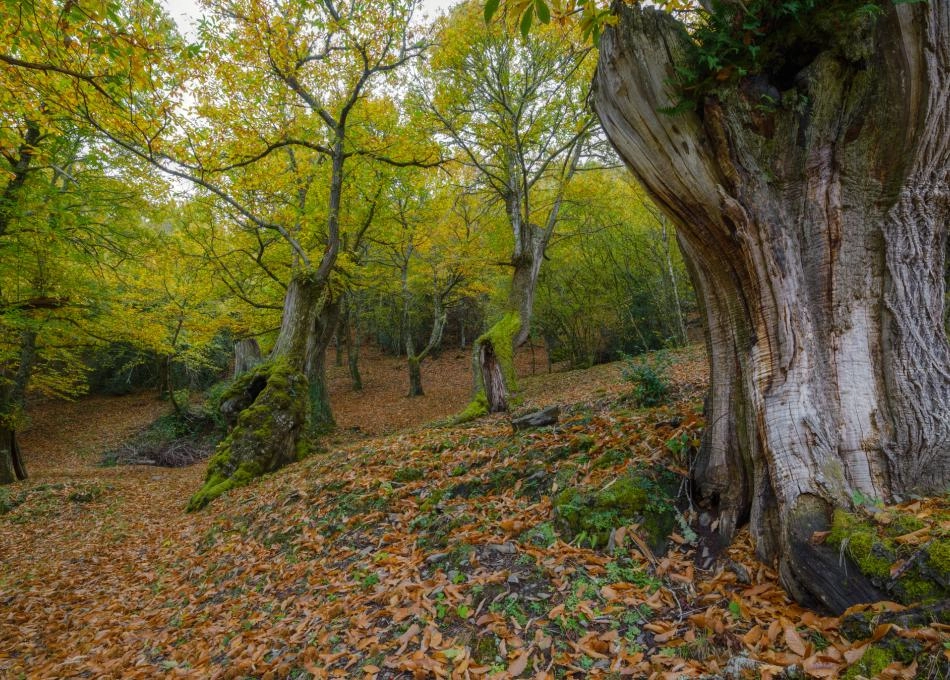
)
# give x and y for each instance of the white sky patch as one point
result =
(187, 13)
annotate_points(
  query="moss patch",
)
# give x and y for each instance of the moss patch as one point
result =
(922, 569)
(267, 432)
(644, 497)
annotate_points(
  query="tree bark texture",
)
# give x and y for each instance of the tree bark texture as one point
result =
(815, 234)
(247, 355)
(12, 399)
(321, 414)
(353, 345)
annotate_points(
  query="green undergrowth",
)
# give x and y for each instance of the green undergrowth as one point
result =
(171, 440)
(905, 555)
(643, 496)
(22, 503)
(772, 39)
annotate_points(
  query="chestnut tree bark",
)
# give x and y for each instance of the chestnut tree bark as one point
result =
(812, 206)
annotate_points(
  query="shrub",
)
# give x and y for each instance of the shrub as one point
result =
(648, 374)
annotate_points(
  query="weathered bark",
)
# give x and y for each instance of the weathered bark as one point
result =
(247, 355)
(815, 234)
(11, 461)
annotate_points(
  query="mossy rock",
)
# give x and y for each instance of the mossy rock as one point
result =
(269, 409)
(873, 547)
(892, 647)
(639, 497)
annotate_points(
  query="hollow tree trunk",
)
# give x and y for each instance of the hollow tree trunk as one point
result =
(247, 355)
(815, 235)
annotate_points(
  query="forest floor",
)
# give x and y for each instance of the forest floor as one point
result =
(401, 551)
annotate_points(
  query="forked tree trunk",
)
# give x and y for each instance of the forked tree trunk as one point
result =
(815, 234)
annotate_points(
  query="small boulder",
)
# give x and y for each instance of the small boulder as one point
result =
(548, 416)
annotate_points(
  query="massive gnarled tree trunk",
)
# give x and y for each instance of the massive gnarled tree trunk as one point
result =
(815, 232)
(270, 407)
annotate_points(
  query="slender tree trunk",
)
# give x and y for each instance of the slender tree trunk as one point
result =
(668, 250)
(815, 235)
(321, 413)
(339, 339)
(353, 344)
(247, 355)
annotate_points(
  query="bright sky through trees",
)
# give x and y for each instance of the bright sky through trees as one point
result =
(187, 12)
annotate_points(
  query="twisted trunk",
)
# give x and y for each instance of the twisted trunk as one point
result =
(815, 235)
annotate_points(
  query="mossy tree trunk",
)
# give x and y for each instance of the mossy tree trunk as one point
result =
(321, 413)
(494, 351)
(13, 386)
(271, 406)
(815, 232)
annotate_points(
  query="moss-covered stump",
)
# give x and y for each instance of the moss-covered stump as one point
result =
(901, 554)
(494, 363)
(645, 497)
(268, 408)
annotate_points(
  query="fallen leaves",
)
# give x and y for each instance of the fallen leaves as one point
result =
(336, 568)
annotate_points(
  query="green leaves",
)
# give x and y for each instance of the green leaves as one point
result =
(526, 20)
(491, 6)
(530, 9)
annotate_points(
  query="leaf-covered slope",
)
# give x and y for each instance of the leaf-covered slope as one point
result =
(434, 553)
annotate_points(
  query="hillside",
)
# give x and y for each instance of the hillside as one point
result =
(428, 552)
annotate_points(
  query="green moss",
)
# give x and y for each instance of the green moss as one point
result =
(409, 474)
(477, 408)
(501, 335)
(267, 433)
(592, 515)
(862, 545)
(870, 665)
(938, 557)
(875, 551)
(485, 649)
